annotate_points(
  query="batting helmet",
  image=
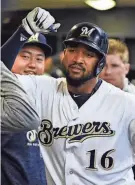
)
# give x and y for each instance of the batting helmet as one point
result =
(92, 36)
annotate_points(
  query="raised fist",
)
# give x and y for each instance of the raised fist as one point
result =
(39, 21)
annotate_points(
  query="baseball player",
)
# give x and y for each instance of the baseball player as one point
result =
(21, 150)
(87, 134)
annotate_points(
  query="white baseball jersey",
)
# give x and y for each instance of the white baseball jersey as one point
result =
(89, 145)
(128, 87)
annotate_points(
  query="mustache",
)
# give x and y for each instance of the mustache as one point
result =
(77, 65)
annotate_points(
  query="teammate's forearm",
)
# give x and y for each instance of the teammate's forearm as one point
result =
(16, 110)
(11, 48)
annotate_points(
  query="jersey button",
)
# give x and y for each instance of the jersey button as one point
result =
(71, 172)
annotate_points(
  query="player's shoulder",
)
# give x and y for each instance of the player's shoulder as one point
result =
(119, 95)
(38, 80)
(48, 81)
(111, 89)
(42, 82)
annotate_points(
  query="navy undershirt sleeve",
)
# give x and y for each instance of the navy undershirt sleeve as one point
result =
(10, 49)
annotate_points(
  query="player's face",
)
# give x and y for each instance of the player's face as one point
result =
(79, 62)
(115, 70)
(30, 60)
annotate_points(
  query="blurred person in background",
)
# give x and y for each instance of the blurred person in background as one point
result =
(117, 67)
(53, 65)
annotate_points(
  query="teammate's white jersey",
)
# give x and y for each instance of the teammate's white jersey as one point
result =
(85, 146)
(128, 87)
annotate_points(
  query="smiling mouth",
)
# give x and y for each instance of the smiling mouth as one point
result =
(29, 72)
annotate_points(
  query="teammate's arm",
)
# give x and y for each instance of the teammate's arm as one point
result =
(11, 48)
(16, 110)
(38, 20)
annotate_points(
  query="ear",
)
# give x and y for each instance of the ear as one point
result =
(127, 68)
(64, 52)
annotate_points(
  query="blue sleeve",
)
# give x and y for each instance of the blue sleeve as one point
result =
(13, 45)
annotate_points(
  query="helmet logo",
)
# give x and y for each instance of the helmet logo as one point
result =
(86, 32)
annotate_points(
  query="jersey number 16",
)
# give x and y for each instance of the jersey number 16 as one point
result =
(106, 161)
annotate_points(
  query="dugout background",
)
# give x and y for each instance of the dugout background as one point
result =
(118, 23)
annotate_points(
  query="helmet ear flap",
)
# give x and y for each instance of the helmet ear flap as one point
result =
(100, 66)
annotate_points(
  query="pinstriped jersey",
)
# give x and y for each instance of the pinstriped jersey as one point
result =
(88, 145)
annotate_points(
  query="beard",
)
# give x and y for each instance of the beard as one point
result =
(78, 81)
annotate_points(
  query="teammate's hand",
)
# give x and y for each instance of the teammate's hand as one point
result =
(39, 20)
